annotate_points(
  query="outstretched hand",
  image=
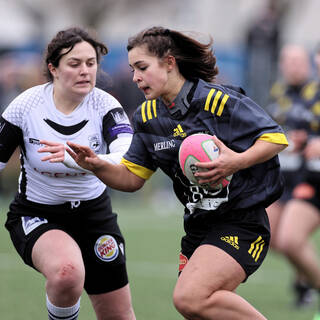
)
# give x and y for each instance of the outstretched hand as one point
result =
(225, 165)
(84, 157)
(55, 149)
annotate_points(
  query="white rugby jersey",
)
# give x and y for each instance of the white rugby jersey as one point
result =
(98, 122)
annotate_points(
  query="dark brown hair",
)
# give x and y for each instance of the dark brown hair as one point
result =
(194, 59)
(67, 39)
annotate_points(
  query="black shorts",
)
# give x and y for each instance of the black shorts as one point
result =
(243, 234)
(92, 224)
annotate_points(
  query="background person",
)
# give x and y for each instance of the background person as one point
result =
(301, 215)
(290, 97)
(61, 220)
(227, 231)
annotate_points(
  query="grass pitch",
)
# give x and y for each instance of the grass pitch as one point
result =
(152, 225)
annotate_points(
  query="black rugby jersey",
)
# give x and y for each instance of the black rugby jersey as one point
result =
(311, 172)
(291, 105)
(217, 110)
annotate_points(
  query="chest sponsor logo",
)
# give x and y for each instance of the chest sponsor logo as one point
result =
(164, 145)
(52, 174)
(106, 248)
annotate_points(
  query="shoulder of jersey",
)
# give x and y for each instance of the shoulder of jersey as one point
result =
(103, 101)
(216, 99)
(23, 104)
(211, 98)
(308, 92)
(147, 110)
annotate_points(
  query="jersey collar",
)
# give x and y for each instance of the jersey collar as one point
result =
(180, 104)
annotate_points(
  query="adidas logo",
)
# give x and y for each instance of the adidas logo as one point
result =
(231, 240)
(178, 131)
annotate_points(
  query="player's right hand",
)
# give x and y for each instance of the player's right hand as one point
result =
(55, 149)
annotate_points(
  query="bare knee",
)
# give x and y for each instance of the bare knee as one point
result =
(67, 278)
(288, 246)
(189, 305)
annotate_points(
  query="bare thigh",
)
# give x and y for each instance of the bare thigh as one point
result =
(274, 212)
(208, 270)
(299, 220)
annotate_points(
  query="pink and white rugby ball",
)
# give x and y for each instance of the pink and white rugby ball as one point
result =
(199, 147)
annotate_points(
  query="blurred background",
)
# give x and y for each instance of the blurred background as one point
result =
(248, 35)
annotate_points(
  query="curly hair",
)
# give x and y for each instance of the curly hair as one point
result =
(67, 39)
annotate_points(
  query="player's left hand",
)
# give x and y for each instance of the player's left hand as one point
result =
(225, 165)
(56, 150)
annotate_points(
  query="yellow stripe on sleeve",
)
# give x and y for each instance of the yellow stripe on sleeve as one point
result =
(277, 137)
(139, 171)
(221, 107)
(154, 106)
(143, 112)
(215, 101)
(211, 92)
(149, 110)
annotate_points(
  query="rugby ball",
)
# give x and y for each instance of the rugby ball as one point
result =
(199, 147)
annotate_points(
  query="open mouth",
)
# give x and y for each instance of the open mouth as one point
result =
(81, 83)
(145, 89)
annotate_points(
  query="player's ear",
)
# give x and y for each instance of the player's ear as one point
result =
(171, 62)
(52, 70)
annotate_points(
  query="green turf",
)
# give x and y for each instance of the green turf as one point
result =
(152, 232)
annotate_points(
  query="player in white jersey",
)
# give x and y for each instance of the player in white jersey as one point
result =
(61, 220)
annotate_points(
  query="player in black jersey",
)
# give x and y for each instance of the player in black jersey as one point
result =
(227, 230)
(61, 221)
(292, 107)
(301, 216)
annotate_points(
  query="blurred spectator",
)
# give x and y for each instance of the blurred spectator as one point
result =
(8, 80)
(262, 52)
(301, 215)
(104, 81)
(19, 71)
(291, 97)
(125, 91)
